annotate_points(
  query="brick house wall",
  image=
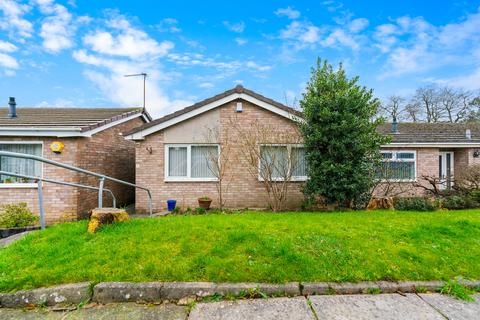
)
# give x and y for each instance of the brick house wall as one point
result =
(428, 165)
(109, 153)
(60, 202)
(105, 152)
(244, 190)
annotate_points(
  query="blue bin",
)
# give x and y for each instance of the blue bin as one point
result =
(171, 204)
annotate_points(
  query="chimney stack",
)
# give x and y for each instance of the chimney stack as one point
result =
(394, 125)
(12, 112)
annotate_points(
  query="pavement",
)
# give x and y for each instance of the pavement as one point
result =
(335, 307)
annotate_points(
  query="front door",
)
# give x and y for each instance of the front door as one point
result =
(445, 169)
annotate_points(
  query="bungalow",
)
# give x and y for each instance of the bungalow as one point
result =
(92, 140)
(172, 162)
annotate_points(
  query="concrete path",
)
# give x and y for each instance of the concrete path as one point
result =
(336, 307)
(8, 240)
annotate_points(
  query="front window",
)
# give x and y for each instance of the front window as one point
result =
(282, 162)
(397, 166)
(191, 162)
(21, 166)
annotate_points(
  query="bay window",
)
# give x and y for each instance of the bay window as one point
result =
(21, 166)
(397, 166)
(280, 162)
(191, 162)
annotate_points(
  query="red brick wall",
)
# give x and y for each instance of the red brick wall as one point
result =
(60, 202)
(244, 190)
(106, 152)
(109, 153)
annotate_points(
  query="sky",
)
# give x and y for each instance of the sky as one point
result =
(75, 53)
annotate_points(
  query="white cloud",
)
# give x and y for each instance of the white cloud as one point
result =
(206, 85)
(7, 46)
(303, 32)
(57, 29)
(469, 81)
(127, 91)
(118, 48)
(241, 41)
(253, 65)
(168, 25)
(127, 42)
(340, 37)
(8, 61)
(235, 27)
(358, 25)
(13, 21)
(288, 12)
(198, 59)
(415, 45)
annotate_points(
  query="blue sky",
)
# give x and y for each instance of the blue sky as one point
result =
(75, 53)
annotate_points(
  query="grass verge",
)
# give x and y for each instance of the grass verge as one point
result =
(251, 247)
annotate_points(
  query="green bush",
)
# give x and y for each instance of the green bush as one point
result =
(457, 202)
(15, 215)
(415, 204)
(200, 211)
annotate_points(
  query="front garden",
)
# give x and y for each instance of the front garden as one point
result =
(251, 247)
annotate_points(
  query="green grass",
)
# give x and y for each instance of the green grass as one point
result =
(251, 247)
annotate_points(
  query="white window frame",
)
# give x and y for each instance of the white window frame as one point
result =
(394, 159)
(20, 185)
(188, 178)
(289, 151)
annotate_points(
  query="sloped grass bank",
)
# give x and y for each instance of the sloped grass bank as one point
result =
(251, 247)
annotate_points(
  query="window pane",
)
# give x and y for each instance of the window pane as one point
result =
(177, 161)
(387, 155)
(203, 161)
(405, 155)
(274, 162)
(396, 170)
(298, 164)
(21, 166)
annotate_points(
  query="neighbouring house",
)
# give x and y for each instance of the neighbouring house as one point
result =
(92, 139)
(427, 150)
(171, 152)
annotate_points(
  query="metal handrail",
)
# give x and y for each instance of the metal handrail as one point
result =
(102, 177)
(71, 184)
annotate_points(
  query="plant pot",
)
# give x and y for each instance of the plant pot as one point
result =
(204, 203)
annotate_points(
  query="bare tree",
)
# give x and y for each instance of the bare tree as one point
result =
(394, 107)
(219, 160)
(413, 112)
(456, 103)
(271, 155)
(428, 99)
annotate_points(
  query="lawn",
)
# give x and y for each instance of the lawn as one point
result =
(251, 247)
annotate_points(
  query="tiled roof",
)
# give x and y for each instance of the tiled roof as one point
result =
(432, 132)
(237, 89)
(69, 118)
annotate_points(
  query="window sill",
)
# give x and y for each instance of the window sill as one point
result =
(293, 179)
(190, 180)
(18, 185)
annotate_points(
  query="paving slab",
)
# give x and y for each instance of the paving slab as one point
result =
(452, 308)
(261, 309)
(124, 311)
(382, 306)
